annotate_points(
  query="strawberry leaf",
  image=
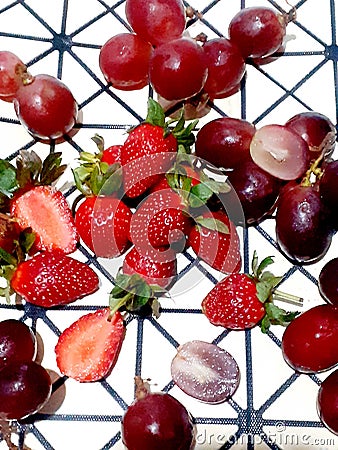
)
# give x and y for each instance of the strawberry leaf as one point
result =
(199, 195)
(276, 316)
(265, 287)
(8, 179)
(155, 113)
(212, 224)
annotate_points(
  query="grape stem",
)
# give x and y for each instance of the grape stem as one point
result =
(313, 170)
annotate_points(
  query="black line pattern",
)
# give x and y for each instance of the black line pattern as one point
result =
(63, 38)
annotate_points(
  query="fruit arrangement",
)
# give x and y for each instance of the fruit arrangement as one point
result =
(147, 236)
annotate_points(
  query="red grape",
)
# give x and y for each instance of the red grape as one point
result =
(177, 69)
(257, 190)
(156, 21)
(257, 31)
(328, 281)
(280, 151)
(317, 130)
(157, 421)
(124, 61)
(25, 387)
(309, 342)
(17, 342)
(46, 107)
(224, 142)
(12, 73)
(205, 371)
(303, 230)
(226, 67)
(327, 402)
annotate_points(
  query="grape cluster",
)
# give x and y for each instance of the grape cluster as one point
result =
(25, 385)
(283, 169)
(44, 105)
(180, 68)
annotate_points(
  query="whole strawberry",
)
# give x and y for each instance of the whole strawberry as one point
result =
(52, 278)
(88, 349)
(241, 301)
(102, 219)
(158, 269)
(215, 241)
(150, 149)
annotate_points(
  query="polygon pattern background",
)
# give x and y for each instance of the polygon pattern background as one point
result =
(274, 408)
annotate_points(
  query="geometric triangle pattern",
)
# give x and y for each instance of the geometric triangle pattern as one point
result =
(274, 407)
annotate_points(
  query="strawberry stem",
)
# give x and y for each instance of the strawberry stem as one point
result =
(287, 298)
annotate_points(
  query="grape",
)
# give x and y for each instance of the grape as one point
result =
(328, 188)
(309, 343)
(177, 69)
(25, 387)
(46, 107)
(257, 31)
(157, 421)
(224, 142)
(226, 67)
(328, 281)
(156, 21)
(317, 130)
(280, 151)
(124, 61)
(205, 371)
(327, 402)
(303, 232)
(256, 189)
(17, 342)
(12, 72)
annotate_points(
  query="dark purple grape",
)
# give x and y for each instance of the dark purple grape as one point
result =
(17, 342)
(157, 421)
(256, 189)
(317, 130)
(328, 188)
(328, 281)
(303, 232)
(205, 371)
(224, 142)
(25, 387)
(327, 402)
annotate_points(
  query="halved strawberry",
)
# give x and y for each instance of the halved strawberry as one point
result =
(52, 278)
(46, 211)
(241, 301)
(34, 203)
(88, 349)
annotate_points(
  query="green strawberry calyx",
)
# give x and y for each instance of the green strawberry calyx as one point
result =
(96, 177)
(266, 283)
(193, 194)
(10, 261)
(133, 294)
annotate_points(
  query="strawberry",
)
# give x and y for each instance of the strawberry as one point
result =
(52, 278)
(103, 224)
(102, 219)
(112, 155)
(45, 210)
(160, 220)
(215, 241)
(35, 203)
(158, 269)
(241, 301)
(150, 149)
(88, 349)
